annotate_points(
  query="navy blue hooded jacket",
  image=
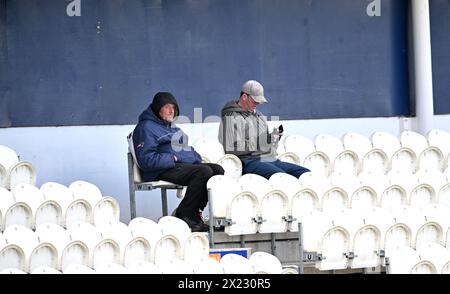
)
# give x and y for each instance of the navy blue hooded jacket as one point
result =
(157, 141)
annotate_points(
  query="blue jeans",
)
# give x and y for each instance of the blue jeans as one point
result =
(267, 167)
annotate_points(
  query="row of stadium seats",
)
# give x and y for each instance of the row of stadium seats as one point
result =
(168, 246)
(258, 263)
(30, 206)
(361, 240)
(254, 204)
(355, 153)
(82, 243)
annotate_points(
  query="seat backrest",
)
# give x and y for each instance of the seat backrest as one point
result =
(78, 269)
(286, 183)
(256, 184)
(29, 194)
(135, 172)
(232, 165)
(357, 143)
(414, 141)
(299, 145)
(8, 157)
(264, 262)
(386, 142)
(212, 150)
(143, 267)
(440, 139)
(329, 144)
(57, 192)
(87, 191)
(236, 264)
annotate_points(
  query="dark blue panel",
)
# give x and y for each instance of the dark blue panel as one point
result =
(316, 59)
(440, 48)
(4, 121)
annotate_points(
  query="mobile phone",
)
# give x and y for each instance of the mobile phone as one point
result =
(280, 129)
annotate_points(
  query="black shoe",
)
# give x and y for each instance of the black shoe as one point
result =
(194, 224)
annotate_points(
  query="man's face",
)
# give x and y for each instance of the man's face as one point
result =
(248, 102)
(167, 112)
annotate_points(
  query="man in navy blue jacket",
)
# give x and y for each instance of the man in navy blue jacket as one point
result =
(163, 153)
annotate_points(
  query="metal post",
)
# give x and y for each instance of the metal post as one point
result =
(131, 187)
(273, 245)
(423, 75)
(211, 220)
(300, 248)
(165, 211)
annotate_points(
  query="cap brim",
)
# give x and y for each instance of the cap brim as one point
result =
(260, 99)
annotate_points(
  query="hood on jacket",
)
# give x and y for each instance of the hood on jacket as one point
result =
(159, 100)
(233, 106)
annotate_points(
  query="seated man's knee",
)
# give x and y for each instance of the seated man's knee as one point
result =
(218, 169)
(204, 171)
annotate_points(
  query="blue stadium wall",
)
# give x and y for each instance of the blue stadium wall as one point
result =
(317, 59)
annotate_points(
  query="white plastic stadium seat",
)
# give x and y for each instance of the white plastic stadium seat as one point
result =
(175, 266)
(12, 271)
(303, 201)
(16, 171)
(242, 211)
(40, 270)
(290, 157)
(207, 265)
(110, 268)
(232, 165)
(221, 190)
(265, 263)
(300, 146)
(365, 246)
(167, 248)
(236, 264)
(171, 225)
(439, 139)
(274, 211)
(87, 191)
(143, 267)
(210, 150)
(106, 210)
(148, 229)
(290, 185)
(334, 243)
(195, 247)
(78, 269)
(429, 157)
(11, 256)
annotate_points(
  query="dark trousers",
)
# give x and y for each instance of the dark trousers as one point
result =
(195, 177)
(268, 167)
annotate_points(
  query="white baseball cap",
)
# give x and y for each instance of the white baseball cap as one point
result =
(255, 90)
